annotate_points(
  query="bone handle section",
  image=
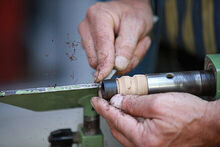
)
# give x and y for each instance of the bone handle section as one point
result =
(137, 85)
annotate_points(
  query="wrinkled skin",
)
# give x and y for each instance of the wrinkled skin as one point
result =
(114, 35)
(170, 119)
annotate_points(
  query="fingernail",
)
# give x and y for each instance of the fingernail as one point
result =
(116, 100)
(121, 63)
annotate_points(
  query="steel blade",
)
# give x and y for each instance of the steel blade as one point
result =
(49, 98)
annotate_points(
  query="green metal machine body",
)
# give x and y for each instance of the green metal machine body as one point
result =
(62, 97)
(212, 62)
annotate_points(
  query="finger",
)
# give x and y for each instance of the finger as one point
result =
(130, 32)
(103, 35)
(139, 53)
(117, 118)
(87, 43)
(138, 106)
(119, 136)
(142, 47)
(116, 101)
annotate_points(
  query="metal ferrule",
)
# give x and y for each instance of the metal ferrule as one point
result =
(108, 88)
(201, 83)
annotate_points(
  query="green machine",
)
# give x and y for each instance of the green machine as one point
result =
(62, 97)
(212, 63)
(202, 83)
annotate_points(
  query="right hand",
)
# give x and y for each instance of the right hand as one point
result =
(114, 34)
(167, 119)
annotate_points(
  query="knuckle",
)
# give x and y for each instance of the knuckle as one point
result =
(141, 26)
(92, 10)
(136, 19)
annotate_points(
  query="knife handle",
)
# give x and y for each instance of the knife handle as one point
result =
(125, 85)
(201, 83)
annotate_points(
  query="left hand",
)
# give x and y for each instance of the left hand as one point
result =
(114, 34)
(170, 119)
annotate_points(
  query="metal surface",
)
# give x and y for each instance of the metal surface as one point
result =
(91, 125)
(48, 89)
(108, 88)
(201, 83)
(111, 74)
(212, 62)
(51, 98)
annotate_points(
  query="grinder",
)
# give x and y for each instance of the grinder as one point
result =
(204, 83)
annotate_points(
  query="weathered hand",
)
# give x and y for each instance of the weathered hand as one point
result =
(170, 119)
(114, 34)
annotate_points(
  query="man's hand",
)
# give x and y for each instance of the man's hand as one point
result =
(170, 119)
(114, 34)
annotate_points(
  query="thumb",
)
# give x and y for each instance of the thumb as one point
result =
(138, 106)
(116, 118)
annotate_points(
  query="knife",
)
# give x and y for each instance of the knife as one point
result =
(50, 98)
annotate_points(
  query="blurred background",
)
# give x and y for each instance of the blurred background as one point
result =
(40, 46)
